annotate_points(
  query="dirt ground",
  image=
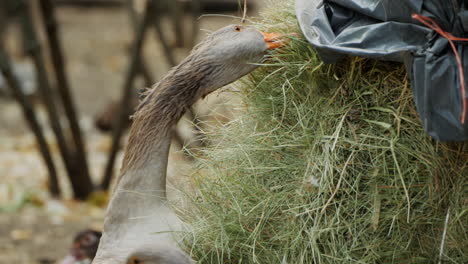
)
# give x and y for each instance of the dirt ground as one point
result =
(34, 228)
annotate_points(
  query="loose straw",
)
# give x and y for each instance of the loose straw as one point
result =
(245, 12)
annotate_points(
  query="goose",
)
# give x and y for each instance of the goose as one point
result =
(84, 247)
(139, 226)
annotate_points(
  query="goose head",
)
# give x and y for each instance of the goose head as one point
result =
(223, 57)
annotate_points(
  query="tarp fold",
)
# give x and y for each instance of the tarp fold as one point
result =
(386, 30)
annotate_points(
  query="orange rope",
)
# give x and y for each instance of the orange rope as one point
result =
(451, 38)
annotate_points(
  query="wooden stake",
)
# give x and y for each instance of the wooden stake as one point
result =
(143, 65)
(81, 187)
(177, 19)
(31, 119)
(160, 34)
(196, 12)
(50, 24)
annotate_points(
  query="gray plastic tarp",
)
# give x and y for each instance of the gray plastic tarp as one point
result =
(385, 30)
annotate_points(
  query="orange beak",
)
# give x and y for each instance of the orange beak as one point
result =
(273, 40)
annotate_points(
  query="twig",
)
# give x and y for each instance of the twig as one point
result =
(50, 23)
(159, 32)
(118, 127)
(30, 116)
(143, 66)
(171, 60)
(177, 19)
(170, 57)
(196, 11)
(81, 189)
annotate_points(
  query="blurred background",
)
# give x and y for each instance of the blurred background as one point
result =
(71, 74)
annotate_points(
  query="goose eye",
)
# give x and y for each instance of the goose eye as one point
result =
(135, 260)
(237, 28)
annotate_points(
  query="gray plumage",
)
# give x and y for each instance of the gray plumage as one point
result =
(139, 223)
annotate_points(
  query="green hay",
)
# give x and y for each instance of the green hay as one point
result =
(384, 187)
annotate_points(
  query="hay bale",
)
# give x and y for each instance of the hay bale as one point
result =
(328, 164)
